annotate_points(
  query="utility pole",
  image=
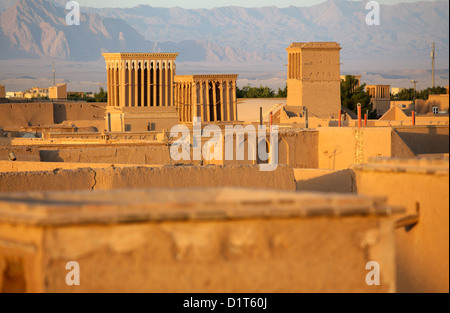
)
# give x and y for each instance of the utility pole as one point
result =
(433, 57)
(414, 102)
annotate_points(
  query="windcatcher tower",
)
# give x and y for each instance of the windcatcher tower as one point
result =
(140, 91)
(314, 77)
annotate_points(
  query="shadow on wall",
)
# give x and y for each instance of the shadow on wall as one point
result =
(426, 139)
(325, 180)
(50, 156)
(59, 113)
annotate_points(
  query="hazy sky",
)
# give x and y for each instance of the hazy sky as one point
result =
(190, 4)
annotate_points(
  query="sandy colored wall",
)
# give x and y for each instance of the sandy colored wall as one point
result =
(143, 177)
(341, 147)
(422, 187)
(301, 148)
(30, 154)
(425, 139)
(18, 166)
(324, 180)
(48, 113)
(124, 154)
(325, 148)
(26, 114)
(75, 111)
(215, 250)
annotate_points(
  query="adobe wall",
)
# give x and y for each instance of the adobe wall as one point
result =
(30, 154)
(440, 121)
(425, 139)
(145, 177)
(26, 114)
(195, 241)
(302, 148)
(19, 166)
(121, 154)
(421, 186)
(341, 147)
(79, 111)
(324, 148)
(316, 180)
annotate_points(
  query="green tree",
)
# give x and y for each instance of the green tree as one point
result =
(101, 96)
(408, 94)
(404, 95)
(351, 95)
(282, 93)
(255, 92)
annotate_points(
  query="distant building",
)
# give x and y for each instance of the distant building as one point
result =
(13, 94)
(381, 98)
(140, 91)
(437, 104)
(396, 90)
(2, 91)
(36, 92)
(210, 97)
(314, 77)
(58, 92)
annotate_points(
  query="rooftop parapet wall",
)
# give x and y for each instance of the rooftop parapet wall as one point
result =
(425, 139)
(213, 240)
(339, 148)
(30, 154)
(421, 186)
(145, 177)
(26, 114)
(325, 148)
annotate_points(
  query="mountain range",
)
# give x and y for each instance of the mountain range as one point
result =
(37, 28)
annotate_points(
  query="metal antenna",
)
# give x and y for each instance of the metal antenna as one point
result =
(54, 80)
(433, 57)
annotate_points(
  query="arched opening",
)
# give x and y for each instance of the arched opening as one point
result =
(152, 86)
(145, 86)
(117, 89)
(132, 84)
(139, 84)
(211, 101)
(127, 84)
(158, 85)
(218, 103)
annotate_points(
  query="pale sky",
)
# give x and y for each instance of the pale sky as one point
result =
(207, 4)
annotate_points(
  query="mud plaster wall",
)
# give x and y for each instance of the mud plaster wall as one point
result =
(341, 147)
(306, 179)
(425, 139)
(423, 250)
(126, 154)
(324, 180)
(26, 114)
(324, 148)
(18, 166)
(48, 113)
(79, 111)
(30, 154)
(255, 255)
(142, 177)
